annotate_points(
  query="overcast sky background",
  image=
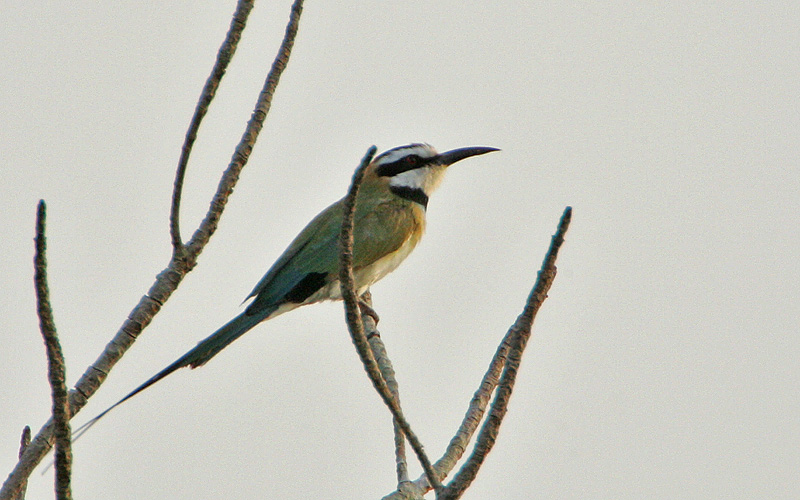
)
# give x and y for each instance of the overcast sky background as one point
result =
(663, 365)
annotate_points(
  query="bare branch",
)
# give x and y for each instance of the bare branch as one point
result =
(353, 317)
(387, 371)
(458, 444)
(55, 362)
(24, 442)
(400, 453)
(491, 378)
(474, 414)
(522, 332)
(410, 490)
(224, 57)
(168, 280)
(248, 140)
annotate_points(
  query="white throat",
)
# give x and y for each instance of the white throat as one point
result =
(426, 179)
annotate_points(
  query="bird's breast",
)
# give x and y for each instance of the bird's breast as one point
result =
(367, 275)
(372, 273)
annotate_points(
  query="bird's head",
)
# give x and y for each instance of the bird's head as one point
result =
(415, 171)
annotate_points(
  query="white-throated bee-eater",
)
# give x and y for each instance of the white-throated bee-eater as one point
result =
(388, 223)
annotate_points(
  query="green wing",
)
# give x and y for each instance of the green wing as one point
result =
(312, 259)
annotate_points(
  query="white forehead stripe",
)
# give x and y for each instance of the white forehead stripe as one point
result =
(421, 150)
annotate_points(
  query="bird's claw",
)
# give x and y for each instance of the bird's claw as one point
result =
(367, 310)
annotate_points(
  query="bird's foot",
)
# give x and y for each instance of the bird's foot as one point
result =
(367, 310)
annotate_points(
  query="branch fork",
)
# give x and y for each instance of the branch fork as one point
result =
(498, 380)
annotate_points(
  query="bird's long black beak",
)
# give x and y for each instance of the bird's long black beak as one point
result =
(450, 157)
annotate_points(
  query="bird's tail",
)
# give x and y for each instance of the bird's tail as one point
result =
(219, 340)
(204, 351)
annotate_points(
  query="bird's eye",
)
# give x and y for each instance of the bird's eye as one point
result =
(412, 160)
(400, 165)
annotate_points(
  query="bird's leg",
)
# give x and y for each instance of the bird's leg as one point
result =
(367, 310)
(365, 304)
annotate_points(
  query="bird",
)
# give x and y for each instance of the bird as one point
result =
(388, 222)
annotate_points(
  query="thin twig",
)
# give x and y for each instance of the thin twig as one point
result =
(55, 362)
(474, 414)
(248, 140)
(353, 317)
(224, 56)
(472, 418)
(24, 442)
(401, 463)
(409, 490)
(387, 372)
(522, 329)
(490, 380)
(167, 281)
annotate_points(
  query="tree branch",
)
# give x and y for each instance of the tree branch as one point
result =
(168, 280)
(353, 317)
(24, 442)
(248, 140)
(55, 362)
(474, 414)
(522, 332)
(512, 342)
(387, 372)
(224, 56)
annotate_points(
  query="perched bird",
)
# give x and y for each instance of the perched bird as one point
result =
(388, 223)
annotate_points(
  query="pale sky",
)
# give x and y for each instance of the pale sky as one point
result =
(663, 365)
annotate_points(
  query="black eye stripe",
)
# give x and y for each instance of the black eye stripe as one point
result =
(404, 164)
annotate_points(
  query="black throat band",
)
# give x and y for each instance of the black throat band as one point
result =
(416, 195)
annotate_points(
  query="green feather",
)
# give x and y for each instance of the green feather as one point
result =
(381, 226)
